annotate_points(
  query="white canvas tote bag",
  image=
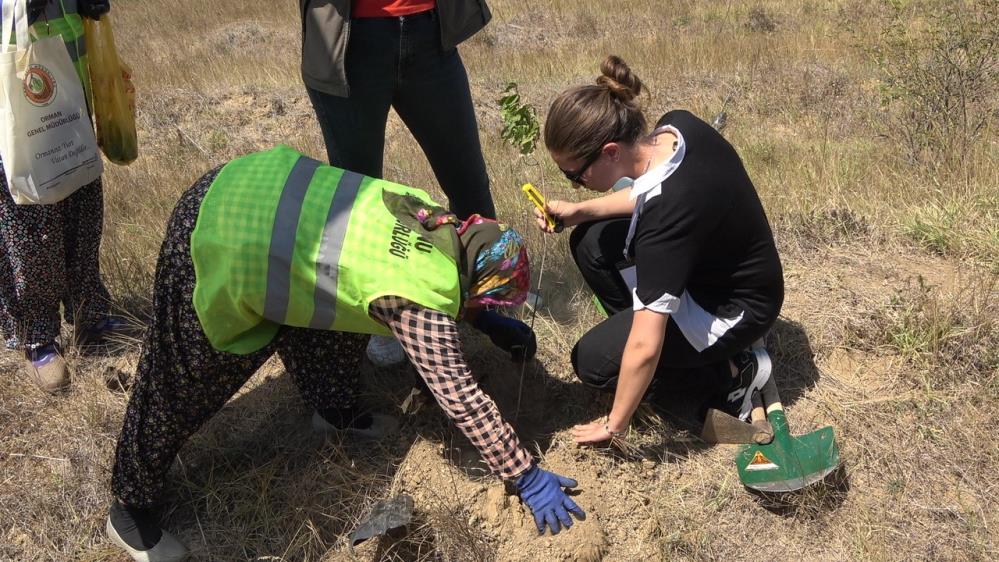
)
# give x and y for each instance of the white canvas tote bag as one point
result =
(47, 142)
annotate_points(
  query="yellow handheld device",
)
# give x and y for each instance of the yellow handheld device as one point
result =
(539, 201)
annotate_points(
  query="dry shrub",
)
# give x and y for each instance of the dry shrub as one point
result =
(818, 228)
(939, 72)
(956, 332)
(760, 21)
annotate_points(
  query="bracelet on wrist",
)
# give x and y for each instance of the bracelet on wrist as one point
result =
(612, 433)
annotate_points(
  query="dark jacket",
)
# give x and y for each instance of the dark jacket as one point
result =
(326, 30)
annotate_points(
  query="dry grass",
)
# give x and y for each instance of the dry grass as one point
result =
(889, 330)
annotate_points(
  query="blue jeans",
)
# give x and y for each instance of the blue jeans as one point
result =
(399, 63)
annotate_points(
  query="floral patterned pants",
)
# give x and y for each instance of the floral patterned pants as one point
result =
(49, 254)
(182, 381)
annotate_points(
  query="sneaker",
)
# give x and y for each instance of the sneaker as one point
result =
(107, 327)
(753, 366)
(47, 368)
(385, 351)
(138, 532)
(368, 427)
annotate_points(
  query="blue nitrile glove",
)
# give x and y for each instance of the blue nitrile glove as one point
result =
(508, 334)
(542, 492)
(93, 9)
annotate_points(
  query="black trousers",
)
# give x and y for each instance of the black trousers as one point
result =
(597, 248)
(399, 63)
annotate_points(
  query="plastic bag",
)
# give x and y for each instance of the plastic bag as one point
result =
(114, 93)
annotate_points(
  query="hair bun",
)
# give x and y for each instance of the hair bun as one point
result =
(617, 77)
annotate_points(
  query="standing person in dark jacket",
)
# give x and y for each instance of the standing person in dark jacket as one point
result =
(49, 254)
(684, 259)
(362, 57)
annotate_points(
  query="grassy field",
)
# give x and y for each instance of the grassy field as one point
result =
(869, 130)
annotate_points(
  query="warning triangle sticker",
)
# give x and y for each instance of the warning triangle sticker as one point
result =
(760, 462)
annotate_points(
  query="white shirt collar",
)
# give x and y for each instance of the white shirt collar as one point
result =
(655, 177)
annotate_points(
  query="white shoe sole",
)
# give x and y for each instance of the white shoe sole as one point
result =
(763, 368)
(168, 549)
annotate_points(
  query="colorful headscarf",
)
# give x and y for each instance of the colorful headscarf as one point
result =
(495, 258)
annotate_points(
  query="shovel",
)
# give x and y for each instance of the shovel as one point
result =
(784, 464)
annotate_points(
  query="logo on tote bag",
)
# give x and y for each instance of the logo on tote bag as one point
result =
(39, 85)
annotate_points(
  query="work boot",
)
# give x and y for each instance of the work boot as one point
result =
(366, 426)
(47, 369)
(385, 351)
(752, 373)
(138, 532)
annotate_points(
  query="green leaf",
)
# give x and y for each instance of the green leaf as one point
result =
(521, 128)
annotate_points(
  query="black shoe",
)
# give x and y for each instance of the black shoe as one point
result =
(753, 366)
(138, 532)
(346, 418)
(363, 426)
(104, 330)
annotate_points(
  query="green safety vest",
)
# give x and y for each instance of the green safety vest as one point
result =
(282, 240)
(58, 20)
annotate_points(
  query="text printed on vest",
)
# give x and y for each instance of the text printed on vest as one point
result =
(402, 241)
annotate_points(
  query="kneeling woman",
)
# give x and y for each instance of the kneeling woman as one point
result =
(681, 257)
(276, 253)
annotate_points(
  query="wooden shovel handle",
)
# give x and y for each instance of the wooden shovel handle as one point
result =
(759, 413)
(764, 433)
(772, 405)
(771, 398)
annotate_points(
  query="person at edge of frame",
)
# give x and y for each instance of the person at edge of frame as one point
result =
(50, 254)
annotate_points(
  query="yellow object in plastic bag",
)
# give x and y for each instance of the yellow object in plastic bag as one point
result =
(113, 91)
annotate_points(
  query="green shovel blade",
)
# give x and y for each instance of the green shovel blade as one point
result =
(788, 463)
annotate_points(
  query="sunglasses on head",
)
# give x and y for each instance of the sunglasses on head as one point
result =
(577, 177)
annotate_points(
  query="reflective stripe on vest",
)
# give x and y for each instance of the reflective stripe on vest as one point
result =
(283, 239)
(334, 232)
(283, 244)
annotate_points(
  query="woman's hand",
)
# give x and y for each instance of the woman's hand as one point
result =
(638, 366)
(565, 213)
(593, 433)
